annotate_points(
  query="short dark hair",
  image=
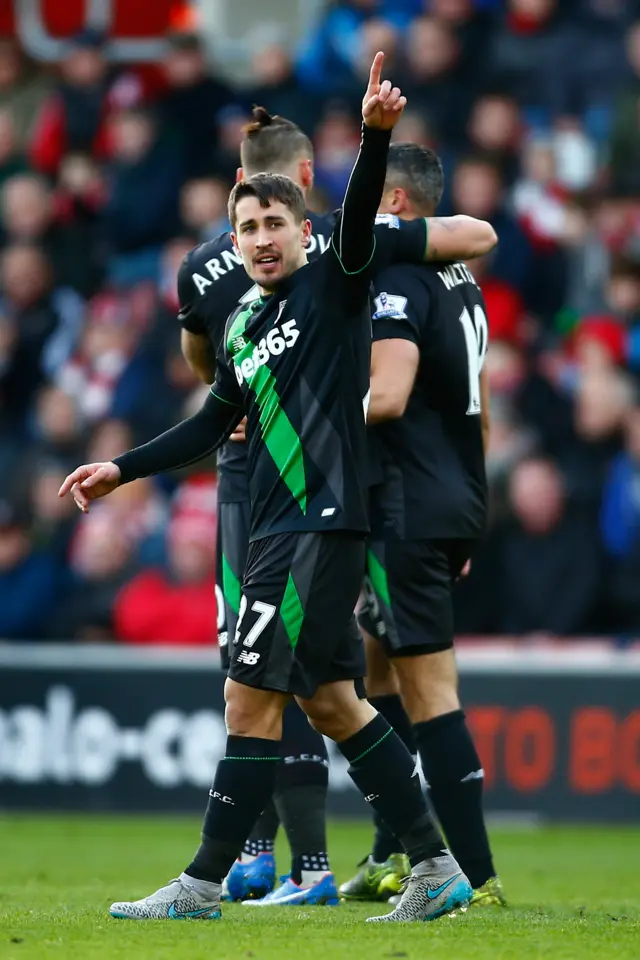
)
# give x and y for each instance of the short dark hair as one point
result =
(268, 188)
(271, 143)
(418, 171)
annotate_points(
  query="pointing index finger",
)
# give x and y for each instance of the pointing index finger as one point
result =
(376, 69)
(66, 486)
(77, 475)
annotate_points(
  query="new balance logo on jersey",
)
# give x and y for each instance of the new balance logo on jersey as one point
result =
(276, 342)
(250, 657)
(388, 305)
(238, 344)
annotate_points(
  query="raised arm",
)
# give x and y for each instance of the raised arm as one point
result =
(352, 238)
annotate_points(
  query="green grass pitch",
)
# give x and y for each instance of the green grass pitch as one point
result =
(575, 893)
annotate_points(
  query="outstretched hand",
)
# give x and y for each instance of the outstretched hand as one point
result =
(383, 104)
(90, 481)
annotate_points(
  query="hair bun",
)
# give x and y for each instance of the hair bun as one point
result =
(261, 116)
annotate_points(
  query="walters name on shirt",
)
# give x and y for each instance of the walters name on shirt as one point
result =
(455, 274)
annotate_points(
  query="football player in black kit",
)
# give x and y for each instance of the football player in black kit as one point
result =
(210, 284)
(297, 361)
(429, 408)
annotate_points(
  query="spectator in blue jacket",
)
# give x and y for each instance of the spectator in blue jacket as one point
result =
(144, 181)
(620, 529)
(31, 580)
(328, 58)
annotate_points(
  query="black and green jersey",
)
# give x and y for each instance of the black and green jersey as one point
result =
(211, 283)
(297, 362)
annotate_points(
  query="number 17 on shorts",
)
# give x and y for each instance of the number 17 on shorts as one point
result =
(260, 616)
(295, 620)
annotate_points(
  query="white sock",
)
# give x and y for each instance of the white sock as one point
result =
(247, 857)
(309, 877)
(206, 889)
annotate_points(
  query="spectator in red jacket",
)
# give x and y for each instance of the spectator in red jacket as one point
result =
(176, 606)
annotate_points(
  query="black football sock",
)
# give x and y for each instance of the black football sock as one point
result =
(303, 813)
(242, 787)
(454, 773)
(385, 772)
(301, 795)
(263, 836)
(385, 841)
(390, 706)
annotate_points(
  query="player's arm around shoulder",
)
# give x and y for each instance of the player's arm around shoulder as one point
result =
(458, 238)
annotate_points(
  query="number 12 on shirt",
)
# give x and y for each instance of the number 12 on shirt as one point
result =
(476, 335)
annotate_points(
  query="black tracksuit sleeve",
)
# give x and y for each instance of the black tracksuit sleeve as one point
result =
(353, 240)
(188, 442)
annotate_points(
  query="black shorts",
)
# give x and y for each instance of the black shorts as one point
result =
(408, 604)
(231, 551)
(296, 629)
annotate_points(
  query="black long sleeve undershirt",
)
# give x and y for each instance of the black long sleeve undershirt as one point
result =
(353, 237)
(186, 443)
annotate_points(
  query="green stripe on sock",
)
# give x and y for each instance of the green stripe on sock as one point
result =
(373, 746)
(253, 758)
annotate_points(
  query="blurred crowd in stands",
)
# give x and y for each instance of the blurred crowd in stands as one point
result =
(108, 177)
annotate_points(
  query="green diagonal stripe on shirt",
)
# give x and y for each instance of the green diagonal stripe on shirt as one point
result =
(231, 586)
(378, 577)
(278, 433)
(292, 612)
